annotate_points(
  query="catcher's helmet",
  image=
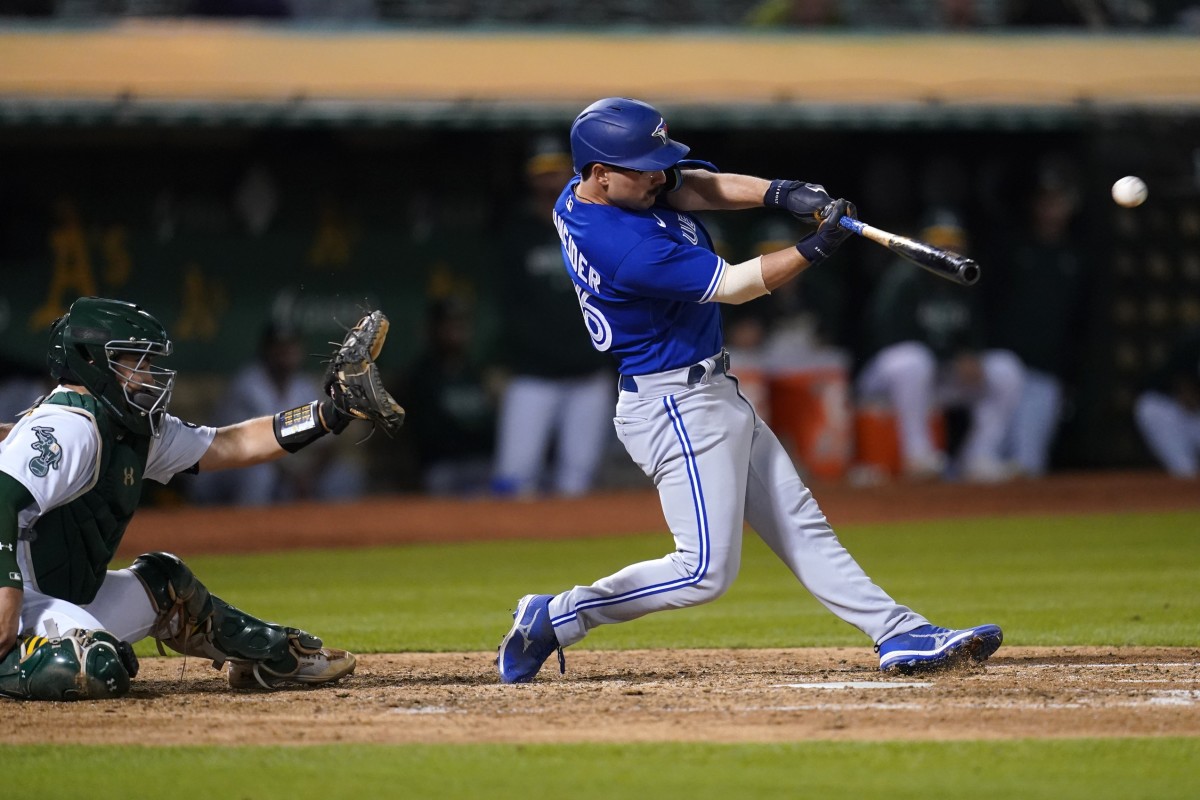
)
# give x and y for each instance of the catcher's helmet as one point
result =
(624, 133)
(86, 341)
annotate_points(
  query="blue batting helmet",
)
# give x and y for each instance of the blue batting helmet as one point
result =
(624, 133)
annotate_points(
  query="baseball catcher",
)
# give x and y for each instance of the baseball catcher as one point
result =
(71, 475)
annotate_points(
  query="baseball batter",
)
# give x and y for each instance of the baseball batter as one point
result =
(648, 284)
(71, 475)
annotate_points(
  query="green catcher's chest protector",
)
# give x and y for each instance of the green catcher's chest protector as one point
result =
(73, 544)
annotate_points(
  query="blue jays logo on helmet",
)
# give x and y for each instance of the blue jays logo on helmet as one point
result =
(624, 133)
(661, 131)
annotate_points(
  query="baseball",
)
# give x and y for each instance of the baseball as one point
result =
(1130, 191)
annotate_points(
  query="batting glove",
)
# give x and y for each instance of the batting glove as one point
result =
(819, 246)
(803, 200)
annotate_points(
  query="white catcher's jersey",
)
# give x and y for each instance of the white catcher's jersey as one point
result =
(54, 452)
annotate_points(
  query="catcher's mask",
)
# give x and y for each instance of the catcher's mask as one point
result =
(107, 347)
(625, 133)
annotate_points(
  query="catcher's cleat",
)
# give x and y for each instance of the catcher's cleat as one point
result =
(529, 641)
(319, 667)
(930, 648)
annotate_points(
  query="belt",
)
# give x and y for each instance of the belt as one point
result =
(657, 384)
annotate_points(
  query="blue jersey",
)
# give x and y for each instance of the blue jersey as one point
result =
(645, 282)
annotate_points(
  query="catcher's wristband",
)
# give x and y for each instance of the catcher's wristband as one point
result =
(299, 427)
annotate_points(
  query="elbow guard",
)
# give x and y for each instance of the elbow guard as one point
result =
(675, 173)
(741, 283)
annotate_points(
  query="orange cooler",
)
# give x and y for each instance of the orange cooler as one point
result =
(810, 412)
(877, 439)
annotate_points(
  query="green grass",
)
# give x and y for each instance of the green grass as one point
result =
(1120, 769)
(1086, 580)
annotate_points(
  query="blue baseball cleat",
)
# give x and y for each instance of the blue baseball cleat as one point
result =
(529, 642)
(929, 648)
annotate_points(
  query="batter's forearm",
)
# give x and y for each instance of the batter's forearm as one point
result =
(782, 266)
(718, 191)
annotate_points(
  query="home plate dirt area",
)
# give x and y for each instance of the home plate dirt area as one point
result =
(637, 696)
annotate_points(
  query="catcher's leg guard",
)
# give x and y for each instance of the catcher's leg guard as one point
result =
(193, 621)
(79, 665)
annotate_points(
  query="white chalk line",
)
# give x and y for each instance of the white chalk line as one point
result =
(1019, 667)
(854, 685)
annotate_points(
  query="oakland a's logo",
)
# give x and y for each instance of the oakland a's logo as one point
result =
(49, 452)
(660, 132)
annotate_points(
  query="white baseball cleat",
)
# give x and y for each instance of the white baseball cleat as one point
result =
(318, 667)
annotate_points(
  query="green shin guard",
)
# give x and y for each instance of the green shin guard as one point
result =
(193, 621)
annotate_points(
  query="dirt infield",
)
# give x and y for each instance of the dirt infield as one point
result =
(667, 695)
(670, 695)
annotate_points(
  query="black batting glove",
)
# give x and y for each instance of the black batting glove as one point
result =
(803, 200)
(819, 246)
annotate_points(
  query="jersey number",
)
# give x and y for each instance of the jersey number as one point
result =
(597, 326)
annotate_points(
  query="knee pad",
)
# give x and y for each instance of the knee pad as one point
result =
(193, 621)
(172, 586)
(79, 665)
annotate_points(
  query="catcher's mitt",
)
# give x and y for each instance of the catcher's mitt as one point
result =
(352, 381)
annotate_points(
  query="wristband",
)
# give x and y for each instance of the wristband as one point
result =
(299, 427)
(815, 248)
(776, 193)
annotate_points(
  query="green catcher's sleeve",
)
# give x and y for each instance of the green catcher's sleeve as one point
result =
(13, 497)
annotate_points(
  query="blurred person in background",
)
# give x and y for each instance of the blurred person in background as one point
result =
(1167, 411)
(326, 470)
(1036, 301)
(557, 400)
(926, 352)
(20, 386)
(448, 390)
(806, 316)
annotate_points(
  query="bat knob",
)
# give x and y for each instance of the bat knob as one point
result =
(968, 272)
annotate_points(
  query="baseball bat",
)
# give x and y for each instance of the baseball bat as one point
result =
(944, 263)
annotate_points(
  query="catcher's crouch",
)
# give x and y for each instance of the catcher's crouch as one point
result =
(71, 473)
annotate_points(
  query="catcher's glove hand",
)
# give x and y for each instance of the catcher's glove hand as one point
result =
(352, 381)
